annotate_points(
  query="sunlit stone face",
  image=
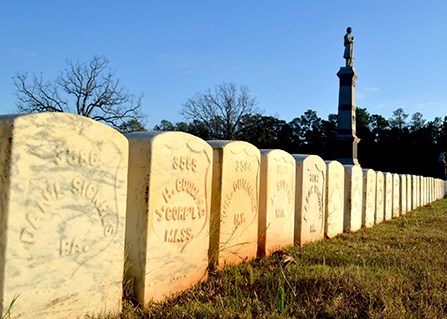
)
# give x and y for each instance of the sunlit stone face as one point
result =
(310, 198)
(334, 198)
(168, 212)
(64, 183)
(369, 197)
(277, 201)
(234, 214)
(353, 198)
(380, 197)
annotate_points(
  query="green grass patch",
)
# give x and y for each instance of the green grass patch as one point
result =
(397, 269)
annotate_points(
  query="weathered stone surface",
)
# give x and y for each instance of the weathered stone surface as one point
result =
(369, 198)
(442, 189)
(235, 202)
(409, 192)
(335, 196)
(422, 190)
(353, 198)
(426, 190)
(63, 185)
(403, 194)
(414, 181)
(277, 201)
(310, 198)
(168, 209)
(418, 191)
(388, 196)
(434, 189)
(380, 197)
(396, 195)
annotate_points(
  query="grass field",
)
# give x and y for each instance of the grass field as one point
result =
(397, 269)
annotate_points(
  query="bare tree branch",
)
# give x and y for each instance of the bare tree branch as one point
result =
(97, 94)
(221, 109)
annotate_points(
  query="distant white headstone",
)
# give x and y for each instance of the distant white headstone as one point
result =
(369, 197)
(277, 201)
(409, 192)
(415, 202)
(380, 197)
(396, 195)
(310, 198)
(334, 198)
(353, 197)
(403, 194)
(388, 196)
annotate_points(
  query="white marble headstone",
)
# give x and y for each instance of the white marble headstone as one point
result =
(396, 195)
(418, 191)
(353, 198)
(277, 201)
(415, 191)
(369, 198)
(235, 202)
(380, 197)
(63, 185)
(335, 192)
(168, 212)
(409, 192)
(310, 198)
(403, 194)
(388, 196)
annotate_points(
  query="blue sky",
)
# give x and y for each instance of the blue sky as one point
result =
(286, 51)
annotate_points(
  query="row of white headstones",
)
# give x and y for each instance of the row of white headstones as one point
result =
(79, 200)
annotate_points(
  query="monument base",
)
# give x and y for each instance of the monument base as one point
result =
(346, 149)
(346, 140)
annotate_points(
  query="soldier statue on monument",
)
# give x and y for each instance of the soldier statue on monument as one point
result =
(346, 139)
(349, 47)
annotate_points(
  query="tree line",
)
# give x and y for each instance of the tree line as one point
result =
(400, 144)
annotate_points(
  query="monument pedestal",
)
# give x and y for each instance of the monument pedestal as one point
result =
(346, 140)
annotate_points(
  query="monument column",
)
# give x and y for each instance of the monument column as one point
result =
(346, 140)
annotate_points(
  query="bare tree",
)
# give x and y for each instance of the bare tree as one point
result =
(221, 109)
(91, 85)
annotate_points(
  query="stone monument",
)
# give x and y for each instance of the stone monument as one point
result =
(346, 140)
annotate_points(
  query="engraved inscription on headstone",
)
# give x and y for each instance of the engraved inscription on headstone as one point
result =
(168, 212)
(310, 198)
(353, 198)
(380, 197)
(369, 197)
(235, 204)
(63, 182)
(277, 201)
(334, 198)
